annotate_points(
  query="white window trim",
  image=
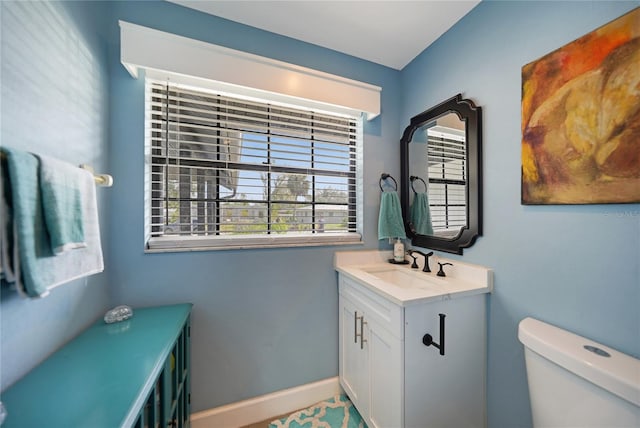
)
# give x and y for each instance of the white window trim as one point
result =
(166, 244)
(169, 243)
(196, 63)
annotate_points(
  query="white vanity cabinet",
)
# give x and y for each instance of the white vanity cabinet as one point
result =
(371, 354)
(393, 379)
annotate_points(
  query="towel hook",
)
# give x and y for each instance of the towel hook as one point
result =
(413, 178)
(383, 177)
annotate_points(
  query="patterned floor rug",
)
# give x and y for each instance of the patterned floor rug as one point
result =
(337, 412)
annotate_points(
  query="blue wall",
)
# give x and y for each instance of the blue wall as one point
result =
(54, 102)
(267, 319)
(573, 266)
(263, 320)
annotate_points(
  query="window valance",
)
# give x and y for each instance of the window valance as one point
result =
(194, 62)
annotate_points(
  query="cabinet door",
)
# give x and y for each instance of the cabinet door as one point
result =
(385, 377)
(447, 390)
(353, 356)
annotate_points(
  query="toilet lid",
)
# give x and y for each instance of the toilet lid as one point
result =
(612, 370)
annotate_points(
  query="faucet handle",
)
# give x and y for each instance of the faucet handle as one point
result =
(441, 271)
(414, 265)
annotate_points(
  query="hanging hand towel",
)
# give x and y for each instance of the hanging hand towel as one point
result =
(8, 248)
(390, 223)
(39, 269)
(421, 215)
(62, 186)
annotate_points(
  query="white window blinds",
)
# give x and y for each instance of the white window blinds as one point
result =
(225, 167)
(447, 181)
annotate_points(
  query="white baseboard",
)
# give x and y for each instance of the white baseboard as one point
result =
(257, 409)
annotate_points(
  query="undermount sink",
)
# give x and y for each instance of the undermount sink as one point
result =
(401, 278)
(403, 285)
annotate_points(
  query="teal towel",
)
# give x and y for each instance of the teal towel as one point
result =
(421, 215)
(37, 270)
(26, 204)
(390, 223)
(8, 249)
(60, 186)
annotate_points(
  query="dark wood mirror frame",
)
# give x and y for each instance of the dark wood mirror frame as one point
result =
(471, 115)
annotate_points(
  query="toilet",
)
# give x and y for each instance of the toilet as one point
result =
(575, 382)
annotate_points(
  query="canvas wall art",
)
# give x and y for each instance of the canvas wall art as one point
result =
(581, 119)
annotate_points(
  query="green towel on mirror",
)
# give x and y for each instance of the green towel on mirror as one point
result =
(390, 223)
(420, 214)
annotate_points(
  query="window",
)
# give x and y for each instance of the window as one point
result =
(446, 151)
(228, 172)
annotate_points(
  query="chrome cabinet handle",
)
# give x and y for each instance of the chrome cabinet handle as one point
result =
(362, 339)
(355, 329)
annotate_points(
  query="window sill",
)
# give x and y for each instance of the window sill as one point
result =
(170, 244)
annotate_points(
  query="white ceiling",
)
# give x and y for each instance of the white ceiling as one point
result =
(391, 33)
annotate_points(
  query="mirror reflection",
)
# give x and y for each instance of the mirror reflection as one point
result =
(441, 176)
(438, 177)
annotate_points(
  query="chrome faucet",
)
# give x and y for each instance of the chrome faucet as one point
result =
(426, 259)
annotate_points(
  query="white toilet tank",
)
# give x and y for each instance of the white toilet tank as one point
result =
(575, 382)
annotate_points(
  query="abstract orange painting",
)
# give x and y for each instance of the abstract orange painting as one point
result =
(581, 119)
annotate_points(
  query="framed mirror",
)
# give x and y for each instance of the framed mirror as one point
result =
(441, 176)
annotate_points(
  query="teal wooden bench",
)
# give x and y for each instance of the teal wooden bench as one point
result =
(134, 373)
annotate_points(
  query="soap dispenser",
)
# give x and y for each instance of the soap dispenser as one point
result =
(398, 251)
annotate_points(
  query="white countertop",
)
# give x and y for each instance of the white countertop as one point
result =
(404, 286)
